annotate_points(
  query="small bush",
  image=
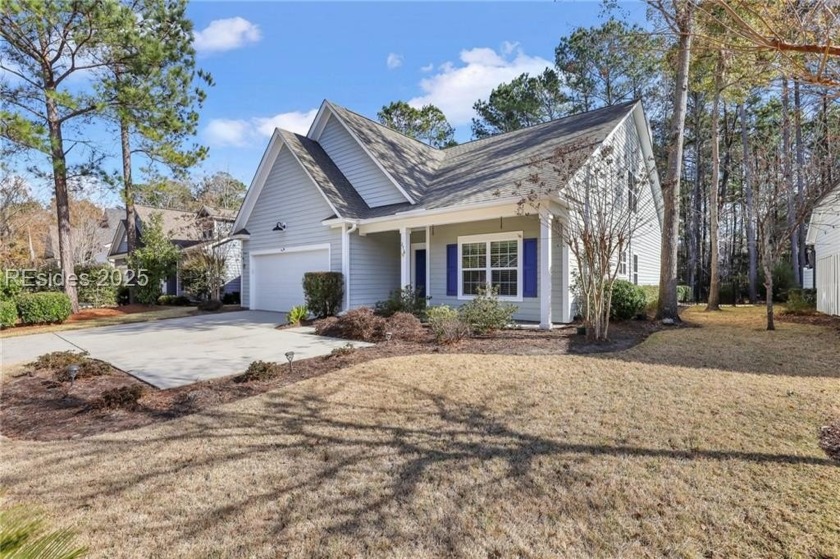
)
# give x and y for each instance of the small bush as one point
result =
(683, 293)
(343, 351)
(297, 314)
(323, 292)
(485, 313)
(447, 325)
(651, 296)
(830, 440)
(783, 280)
(57, 362)
(406, 300)
(212, 305)
(174, 300)
(628, 300)
(357, 324)
(260, 371)
(10, 287)
(232, 298)
(8, 314)
(406, 327)
(122, 397)
(801, 301)
(98, 290)
(43, 308)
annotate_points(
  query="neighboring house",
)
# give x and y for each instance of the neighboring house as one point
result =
(387, 211)
(91, 241)
(189, 231)
(824, 237)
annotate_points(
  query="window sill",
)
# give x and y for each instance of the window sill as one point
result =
(508, 299)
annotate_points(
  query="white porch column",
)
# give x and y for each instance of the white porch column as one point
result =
(428, 261)
(545, 271)
(405, 257)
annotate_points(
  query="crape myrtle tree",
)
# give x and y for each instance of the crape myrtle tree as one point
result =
(204, 266)
(44, 45)
(598, 198)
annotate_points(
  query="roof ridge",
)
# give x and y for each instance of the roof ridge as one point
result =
(380, 125)
(535, 126)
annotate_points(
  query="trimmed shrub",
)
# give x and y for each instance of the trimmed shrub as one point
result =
(406, 300)
(628, 300)
(683, 293)
(212, 305)
(651, 296)
(360, 324)
(57, 362)
(297, 314)
(260, 371)
(121, 397)
(783, 281)
(96, 287)
(10, 287)
(174, 300)
(43, 308)
(323, 292)
(485, 313)
(8, 314)
(232, 298)
(446, 324)
(405, 326)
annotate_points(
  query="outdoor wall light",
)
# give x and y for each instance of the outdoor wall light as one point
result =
(279, 226)
(290, 355)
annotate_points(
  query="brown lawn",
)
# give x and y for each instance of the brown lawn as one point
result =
(698, 442)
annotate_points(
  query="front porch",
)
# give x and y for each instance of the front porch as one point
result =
(520, 255)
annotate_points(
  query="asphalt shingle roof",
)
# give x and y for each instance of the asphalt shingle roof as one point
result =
(477, 171)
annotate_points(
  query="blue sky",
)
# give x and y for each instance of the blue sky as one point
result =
(274, 62)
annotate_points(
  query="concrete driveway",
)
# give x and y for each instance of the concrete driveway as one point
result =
(179, 351)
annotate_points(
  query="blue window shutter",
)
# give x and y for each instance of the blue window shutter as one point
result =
(529, 268)
(452, 270)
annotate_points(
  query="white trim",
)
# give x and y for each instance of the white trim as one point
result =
(345, 263)
(319, 129)
(445, 216)
(488, 238)
(414, 248)
(252, 285)
(545, 271)
(428, 264)
(565, 282)
(405, 257)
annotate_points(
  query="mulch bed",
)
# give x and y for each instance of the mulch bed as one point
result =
(815, 318)
(35, 406)
(104, 312)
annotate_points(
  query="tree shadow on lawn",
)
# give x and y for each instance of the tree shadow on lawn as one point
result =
(328, 446)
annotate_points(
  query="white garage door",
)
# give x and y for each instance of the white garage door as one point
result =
(277, 279)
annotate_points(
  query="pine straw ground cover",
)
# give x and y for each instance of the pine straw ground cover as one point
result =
(698, 442)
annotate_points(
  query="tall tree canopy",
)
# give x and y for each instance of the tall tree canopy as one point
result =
(608, 64)
(427, 124)
(525, 101)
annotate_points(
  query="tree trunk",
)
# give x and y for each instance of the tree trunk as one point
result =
(752, 252)
(714, 186)
(768, 280)
(62, 201)
(668, 304)
(800, 168)
(787, 173)
(128, 188)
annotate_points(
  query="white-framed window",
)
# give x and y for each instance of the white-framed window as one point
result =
(493, 260)
(622, 263)
(636, 269)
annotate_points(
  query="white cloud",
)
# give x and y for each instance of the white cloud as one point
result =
(427, 68)
(394, 61)
(226, 34)
(455, 87)
(222, 132)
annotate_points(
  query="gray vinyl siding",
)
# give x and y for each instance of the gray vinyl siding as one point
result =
(369, 181)
(288, 195)
(827, 255)
(233, 267)
(529, 307)
(374, 267)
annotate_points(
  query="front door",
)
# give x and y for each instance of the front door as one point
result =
(420, 271)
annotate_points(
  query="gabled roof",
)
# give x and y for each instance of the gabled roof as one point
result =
(179, 226)
(474, 172)
(217, 213)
